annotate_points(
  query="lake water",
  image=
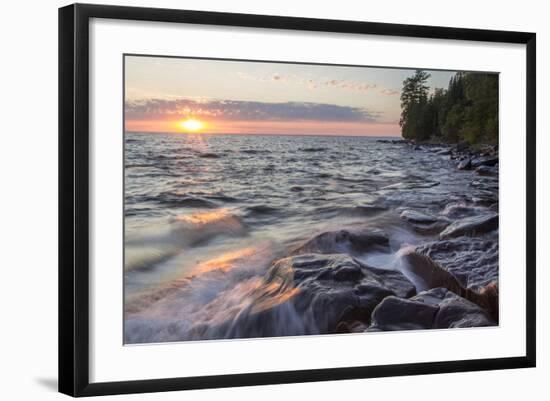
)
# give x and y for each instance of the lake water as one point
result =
(206, 215)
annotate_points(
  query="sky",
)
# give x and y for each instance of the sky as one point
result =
(183, 95)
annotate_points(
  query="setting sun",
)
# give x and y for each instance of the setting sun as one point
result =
(191, 125)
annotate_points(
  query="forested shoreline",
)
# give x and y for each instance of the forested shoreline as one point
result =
(467, 110)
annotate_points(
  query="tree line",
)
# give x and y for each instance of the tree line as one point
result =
(466, 111)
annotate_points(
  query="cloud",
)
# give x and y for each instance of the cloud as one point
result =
(390, 92)
(344, 84)
(246, 110)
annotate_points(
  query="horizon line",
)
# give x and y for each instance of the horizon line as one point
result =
(261, 134)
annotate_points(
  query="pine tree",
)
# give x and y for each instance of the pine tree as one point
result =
(466, 110)
(414, 97)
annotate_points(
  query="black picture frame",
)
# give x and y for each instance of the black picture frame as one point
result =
(74, 198)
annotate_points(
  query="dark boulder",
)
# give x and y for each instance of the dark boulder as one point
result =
(472, 261)
(465, 164)
(488, 161)
(322, 293)
(402, 314)
(469, 269)
(437, 308)
(471, 226)
(455, 311)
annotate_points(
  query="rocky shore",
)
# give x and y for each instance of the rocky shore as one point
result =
(451, 282)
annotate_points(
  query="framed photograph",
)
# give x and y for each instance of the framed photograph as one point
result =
(250, 199)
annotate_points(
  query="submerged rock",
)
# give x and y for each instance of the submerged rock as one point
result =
(417, 217)
(424, 223)
(460, 210)
(471, 226)
(437, 308)
(344, 241)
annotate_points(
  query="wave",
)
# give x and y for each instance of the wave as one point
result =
(313, 149)
(209, 155)
(145, 256)
(187, 230)
(199, 227)
(182, 199)
(261, 210)
(412, 185)
(255, 151)
(362, 210)
(215, 291)
(139, 165)
(221, 197)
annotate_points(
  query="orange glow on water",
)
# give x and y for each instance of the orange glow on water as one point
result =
(203, 218)
(225, 261)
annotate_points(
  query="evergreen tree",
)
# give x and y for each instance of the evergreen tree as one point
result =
(413, 100)
(466, 110)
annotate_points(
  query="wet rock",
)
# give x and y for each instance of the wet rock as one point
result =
(468, 267)
(414, 216)
(326, 294)
(484, 198)
(472, 261)
(465, 164)
(402, 314)
(487, 171)
(460, 210)
(437, 308)
(424, 223)
(444, 152)
(426, 272)
(488, 161)
(392, 141)
(455, 312)
(344, 241)
(471, 226)
(487, 185)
